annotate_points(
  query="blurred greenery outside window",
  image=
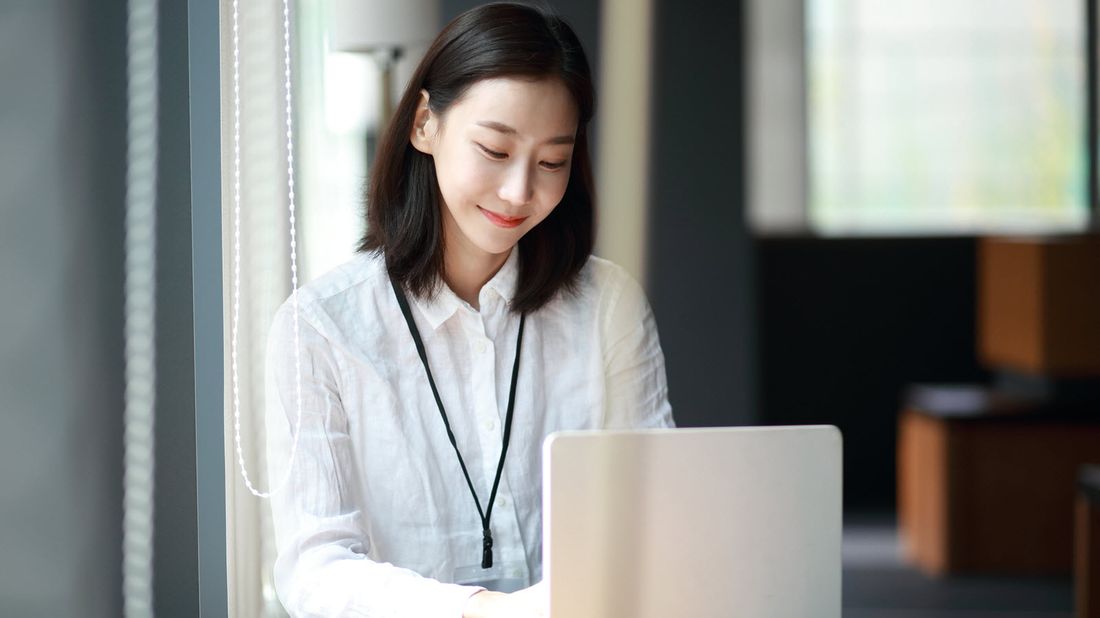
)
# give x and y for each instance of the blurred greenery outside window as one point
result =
(940, 116)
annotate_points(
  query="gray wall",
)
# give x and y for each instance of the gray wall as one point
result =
(62, 195)
(701, 273)
(62, 132)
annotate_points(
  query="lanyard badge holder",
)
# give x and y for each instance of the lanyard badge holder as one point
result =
(485, 573)
(501, 577)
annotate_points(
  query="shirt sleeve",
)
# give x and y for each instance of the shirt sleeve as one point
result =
(323, 565)
(634, 366)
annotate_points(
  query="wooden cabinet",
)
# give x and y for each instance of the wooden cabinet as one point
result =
(987, 484)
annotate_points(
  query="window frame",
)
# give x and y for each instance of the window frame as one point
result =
(204, 87)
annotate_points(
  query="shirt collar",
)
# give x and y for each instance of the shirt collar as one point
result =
(439, 306)
(504, 282)
(444, 303)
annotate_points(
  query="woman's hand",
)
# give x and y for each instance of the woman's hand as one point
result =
(533, 602)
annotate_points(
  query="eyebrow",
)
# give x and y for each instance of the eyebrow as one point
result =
(507, 130)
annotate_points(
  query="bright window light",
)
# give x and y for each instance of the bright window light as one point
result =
(941, 116)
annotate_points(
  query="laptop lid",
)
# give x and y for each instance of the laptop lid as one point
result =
(693, 522)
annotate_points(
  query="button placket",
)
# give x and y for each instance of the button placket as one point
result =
(485, 399)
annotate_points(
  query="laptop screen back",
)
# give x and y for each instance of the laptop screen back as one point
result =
(693, 522)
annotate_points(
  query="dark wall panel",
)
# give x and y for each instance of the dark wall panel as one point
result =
(700, 251)
(845, 324)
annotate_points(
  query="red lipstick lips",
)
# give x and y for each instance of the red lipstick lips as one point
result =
(500, 220)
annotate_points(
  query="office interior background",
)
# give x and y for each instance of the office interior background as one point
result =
(807, 190)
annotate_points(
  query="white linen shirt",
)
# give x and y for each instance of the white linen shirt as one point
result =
(377, 515)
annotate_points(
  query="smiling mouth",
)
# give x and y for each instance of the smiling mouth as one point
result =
(501, 220)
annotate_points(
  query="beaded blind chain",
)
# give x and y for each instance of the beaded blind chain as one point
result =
(237, 250)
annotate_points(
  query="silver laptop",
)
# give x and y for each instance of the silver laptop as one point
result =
(700, 523)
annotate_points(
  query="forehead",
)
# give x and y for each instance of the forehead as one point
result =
(535, 109)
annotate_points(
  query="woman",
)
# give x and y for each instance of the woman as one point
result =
(472, 324)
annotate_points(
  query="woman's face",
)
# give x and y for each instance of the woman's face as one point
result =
(502, 155)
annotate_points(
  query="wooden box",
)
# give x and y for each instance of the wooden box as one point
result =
(1039, 305)
(988, 487)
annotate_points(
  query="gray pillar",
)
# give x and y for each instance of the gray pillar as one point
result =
(701, 257)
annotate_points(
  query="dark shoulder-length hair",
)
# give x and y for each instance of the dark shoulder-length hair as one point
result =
(403, 210)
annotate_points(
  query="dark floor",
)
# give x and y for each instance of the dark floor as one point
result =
(878, 584)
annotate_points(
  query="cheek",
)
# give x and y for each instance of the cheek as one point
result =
(463, 179)
(553, 190)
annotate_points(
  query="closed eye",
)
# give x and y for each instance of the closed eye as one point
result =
(553, 165)
(492, 154)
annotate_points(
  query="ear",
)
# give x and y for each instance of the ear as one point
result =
(424, 126)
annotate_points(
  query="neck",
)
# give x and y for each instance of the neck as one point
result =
(466, 268)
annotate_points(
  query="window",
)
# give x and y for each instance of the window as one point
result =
(931, 116)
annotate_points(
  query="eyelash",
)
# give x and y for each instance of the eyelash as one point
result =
(500, 156)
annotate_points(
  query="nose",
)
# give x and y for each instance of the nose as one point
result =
(517, 188)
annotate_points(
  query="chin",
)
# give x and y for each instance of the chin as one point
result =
(497, 246)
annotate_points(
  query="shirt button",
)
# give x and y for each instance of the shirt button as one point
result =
(503, 501)
(490, 424)
(480, 346)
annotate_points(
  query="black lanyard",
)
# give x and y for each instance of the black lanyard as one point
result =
(486, 532)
